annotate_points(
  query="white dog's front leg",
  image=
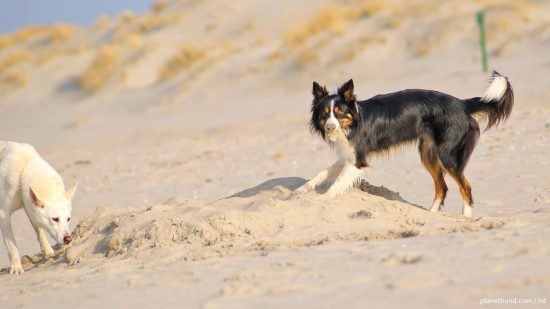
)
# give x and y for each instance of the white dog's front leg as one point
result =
(43, 241)
(349, 175)
(9, 240)
(41, 237)
(322, 176)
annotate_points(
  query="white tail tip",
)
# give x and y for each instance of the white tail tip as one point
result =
(496, 89)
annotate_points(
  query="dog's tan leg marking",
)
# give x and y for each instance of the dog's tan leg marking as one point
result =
(436, 171)
(465, 192)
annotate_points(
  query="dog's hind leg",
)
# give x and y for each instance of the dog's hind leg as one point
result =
(430, 159)
(455, 161)
(327, 174)
(465, 192)
(345, 181)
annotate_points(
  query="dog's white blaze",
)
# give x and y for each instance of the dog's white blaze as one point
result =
(332, 119)
(496, 89)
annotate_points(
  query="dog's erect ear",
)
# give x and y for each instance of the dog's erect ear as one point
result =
(318, 91)
(69, 194)
(35, 200)
(346, 91)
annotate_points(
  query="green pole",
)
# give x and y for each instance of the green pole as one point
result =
(481, 24)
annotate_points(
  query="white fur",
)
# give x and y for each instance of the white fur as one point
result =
(343, 173)
(348, 177)
(496, 89)
(332, 121)
(436, 205)
(467, 211)
(22, 170)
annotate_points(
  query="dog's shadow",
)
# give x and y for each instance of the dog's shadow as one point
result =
(292, 183)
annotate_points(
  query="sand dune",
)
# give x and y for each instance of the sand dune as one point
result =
(259, 218)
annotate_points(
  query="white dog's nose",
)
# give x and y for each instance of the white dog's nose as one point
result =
(67, 239)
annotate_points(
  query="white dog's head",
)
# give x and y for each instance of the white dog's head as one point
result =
(54, 214)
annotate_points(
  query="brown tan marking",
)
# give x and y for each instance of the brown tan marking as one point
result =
(434, 168)
(345, 123)
(464, 186)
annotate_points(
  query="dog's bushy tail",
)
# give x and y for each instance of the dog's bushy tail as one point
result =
(497, 102)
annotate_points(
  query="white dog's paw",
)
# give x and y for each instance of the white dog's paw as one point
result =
(16, 269)
(48, 251)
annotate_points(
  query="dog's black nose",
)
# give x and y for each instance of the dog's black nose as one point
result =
(331, 127)
(67, 239)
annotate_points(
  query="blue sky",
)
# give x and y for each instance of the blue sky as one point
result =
(15, 14)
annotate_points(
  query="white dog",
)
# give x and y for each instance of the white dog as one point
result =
(29, 182)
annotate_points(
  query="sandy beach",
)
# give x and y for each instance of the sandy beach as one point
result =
(187, 129)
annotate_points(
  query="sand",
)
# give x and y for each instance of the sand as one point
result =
(184, 196)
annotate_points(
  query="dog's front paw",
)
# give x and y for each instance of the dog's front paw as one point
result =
(48, 251)
(16, 269)
(328, 195)
(301, 190)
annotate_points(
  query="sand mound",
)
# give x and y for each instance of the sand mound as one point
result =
(259, 218)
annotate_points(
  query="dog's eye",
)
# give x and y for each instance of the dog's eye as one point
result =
(337, 110)
(349, 116)
(56, 219)
(68, 219)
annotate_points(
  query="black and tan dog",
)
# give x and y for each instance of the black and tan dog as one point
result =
(443, 126)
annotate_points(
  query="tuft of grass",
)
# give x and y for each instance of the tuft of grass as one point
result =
(152, 22)
(103, 22)
(372, 7)
(27, 33)
(305, 58)
(61, 32)
(332, 18)
(127, 17)
(5, 41)
(159, 6)
(186, 57)
(15, 80)
(248, 26)
(102, 68)
(14, 58)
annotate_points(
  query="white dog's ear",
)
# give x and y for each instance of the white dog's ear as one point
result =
(35, 200)
(70, 193)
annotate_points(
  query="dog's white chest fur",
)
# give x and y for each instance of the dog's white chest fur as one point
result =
(345, 151)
